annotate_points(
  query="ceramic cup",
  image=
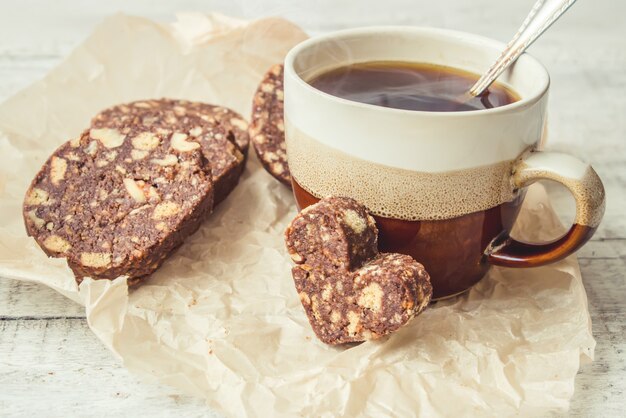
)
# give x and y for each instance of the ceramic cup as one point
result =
(444, 188)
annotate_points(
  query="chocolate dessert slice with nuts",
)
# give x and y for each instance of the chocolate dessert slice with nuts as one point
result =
(349, 291)
(267, 129)
(117, 201)
(221, 132)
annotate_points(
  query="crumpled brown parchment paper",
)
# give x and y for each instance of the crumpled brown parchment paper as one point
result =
(221, 319)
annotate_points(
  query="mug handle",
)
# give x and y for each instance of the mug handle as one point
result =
(582, 181)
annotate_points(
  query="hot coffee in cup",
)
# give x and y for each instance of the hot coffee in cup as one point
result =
(410, 86)
(367, 116)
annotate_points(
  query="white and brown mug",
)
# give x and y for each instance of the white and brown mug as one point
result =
(444, 188)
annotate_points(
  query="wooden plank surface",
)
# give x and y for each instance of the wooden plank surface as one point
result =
(52, 365)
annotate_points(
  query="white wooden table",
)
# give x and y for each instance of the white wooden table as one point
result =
(52, 365)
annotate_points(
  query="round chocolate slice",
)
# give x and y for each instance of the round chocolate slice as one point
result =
(221, 132)
(117, 201)
(267, 129)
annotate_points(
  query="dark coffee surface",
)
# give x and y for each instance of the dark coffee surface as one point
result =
(410, 86)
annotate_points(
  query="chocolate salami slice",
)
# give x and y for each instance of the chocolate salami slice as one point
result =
(118, 199)
(349, 291)
(267, 129)
(221, 132)
(336, 234)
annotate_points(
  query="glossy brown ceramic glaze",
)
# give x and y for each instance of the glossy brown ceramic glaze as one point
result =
(453, 250)
(509, 252)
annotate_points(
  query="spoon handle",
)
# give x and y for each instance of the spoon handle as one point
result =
(543, 14)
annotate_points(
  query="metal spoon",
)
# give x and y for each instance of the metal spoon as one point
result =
(543, 14)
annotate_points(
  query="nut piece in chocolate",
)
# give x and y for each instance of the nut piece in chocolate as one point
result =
(267, 129)
(350, 292)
